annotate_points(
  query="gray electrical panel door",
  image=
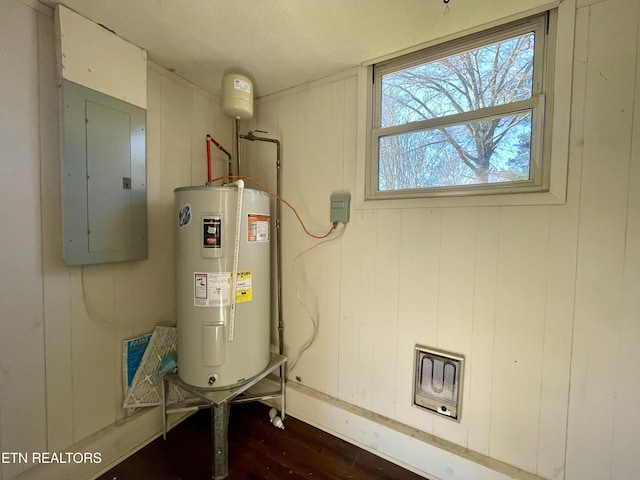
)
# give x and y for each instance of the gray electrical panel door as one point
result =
(104, 195)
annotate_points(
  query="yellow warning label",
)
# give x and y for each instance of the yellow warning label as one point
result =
(244, 290)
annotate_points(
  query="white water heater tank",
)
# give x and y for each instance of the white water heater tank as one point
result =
(217, 348)
(237, 96)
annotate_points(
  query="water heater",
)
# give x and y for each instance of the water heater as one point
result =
(223, 326)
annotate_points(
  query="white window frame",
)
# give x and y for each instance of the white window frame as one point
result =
(550, 158)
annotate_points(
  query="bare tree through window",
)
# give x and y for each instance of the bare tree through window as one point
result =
(466, 138)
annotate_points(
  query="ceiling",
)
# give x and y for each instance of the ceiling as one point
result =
(277, 43)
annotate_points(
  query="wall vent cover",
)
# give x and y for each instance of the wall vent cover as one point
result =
(437, 382)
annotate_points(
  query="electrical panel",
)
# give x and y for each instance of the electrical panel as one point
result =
(104, 194)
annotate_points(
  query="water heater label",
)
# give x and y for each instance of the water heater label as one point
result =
(244, 290)
(258, 228)
(211, 289)
(212, 232)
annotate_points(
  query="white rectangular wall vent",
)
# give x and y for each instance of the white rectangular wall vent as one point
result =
(437, 382)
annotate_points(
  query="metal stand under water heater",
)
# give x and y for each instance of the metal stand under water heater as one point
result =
(222, 284)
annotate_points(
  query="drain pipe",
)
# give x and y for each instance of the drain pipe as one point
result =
(251, 137)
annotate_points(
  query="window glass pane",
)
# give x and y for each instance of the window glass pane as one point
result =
(493, 150)
(489, 76)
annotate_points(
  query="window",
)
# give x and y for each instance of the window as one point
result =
(464, 118)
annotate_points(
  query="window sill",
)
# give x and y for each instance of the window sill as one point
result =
(510, 199)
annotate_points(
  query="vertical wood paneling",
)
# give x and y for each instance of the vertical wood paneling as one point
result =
(522, 271)
(560, 293)
(137, 289)
(350, 252)
(327, 353)
(221, 130)
(611, 82)
(418, 290)
(349, 137)
(291, 118)
(260, 158)
(317, 270)
(558, 324)
(200, 126)
(130, 307)
(626, 434)
(316, 279)
(349, 340)
(176, 136)
(560, 285)
(175, 164)
(55, 275)
(384, 326)
(559, 318)
(455, 297)
(317, 297)
(457, 261)
(92, 352)
(580, 83)
(158, 282)
(328, 255)
(368, 243)
(22, 380)
(321, 160)
(477, 399)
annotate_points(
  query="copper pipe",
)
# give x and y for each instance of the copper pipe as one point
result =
(213, 140)
(250, 136)
(236, 135)
(208, 160)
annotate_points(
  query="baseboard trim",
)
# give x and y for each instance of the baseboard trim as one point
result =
(413, 449)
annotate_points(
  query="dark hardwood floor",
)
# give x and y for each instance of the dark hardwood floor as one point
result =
(257, 450)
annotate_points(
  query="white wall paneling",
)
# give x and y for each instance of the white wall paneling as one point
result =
(477, 401)
(22, 373)
(604, 334)
(56, 276)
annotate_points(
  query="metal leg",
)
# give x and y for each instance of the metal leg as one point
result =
(218, 402)
(282, 392)
(165, 387)
(219, 441)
